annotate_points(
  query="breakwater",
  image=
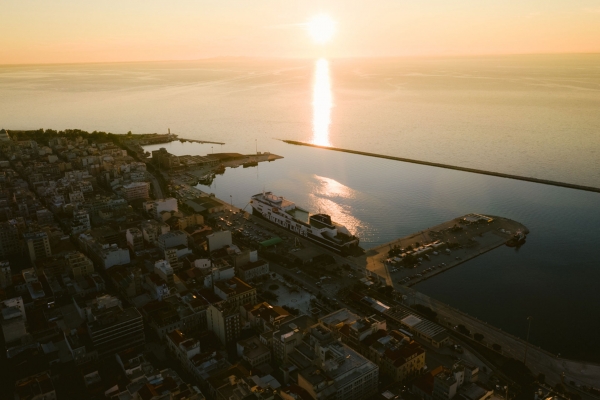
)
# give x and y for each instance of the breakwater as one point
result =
(183, 140)
(455, 167)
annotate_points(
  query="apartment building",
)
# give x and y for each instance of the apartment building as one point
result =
(37, 245)
(235, 291)
(224, 320)
(135, 190)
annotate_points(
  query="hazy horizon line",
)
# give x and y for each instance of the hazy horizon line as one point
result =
(482, 55)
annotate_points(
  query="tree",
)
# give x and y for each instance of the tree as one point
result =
(426, 311)
(574, 396)
(291, 310)
(463, 329)
(129, 133)
(268, 295)
(478, 337)
(559, 387)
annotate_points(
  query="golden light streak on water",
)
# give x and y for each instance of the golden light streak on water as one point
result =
(322, 103)
(324, 194)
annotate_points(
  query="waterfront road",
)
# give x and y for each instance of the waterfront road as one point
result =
(158, 193)
(538, 360)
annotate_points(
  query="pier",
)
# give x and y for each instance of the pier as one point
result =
(434, 250)
(455, 167)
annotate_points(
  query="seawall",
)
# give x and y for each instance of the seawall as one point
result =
(455, 167)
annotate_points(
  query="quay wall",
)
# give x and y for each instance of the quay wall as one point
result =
(455, 167)
(540, 360)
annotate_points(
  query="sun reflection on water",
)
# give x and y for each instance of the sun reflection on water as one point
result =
(322, 103)
(330, 196)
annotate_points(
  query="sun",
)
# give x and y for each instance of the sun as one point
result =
(321, 28)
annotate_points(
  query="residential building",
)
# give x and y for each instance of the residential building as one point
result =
(135, 190)
(152, 229)
(329, 369)
(156, 207)
(398, 357)
(205, 365)
(44, 217)
(253, 269)
(135, 239)
(474, 391)
(425, 329)
(13, 319)
(5, 274)
(235, 291)
(263, 316)
(465, 372)
(107, 256)
(445, 385)
(285, 338)
(112, 328)
(150, 384)
(218, 240)
(236, 383)
(224, 320)
(422, 387)
(172, 239)
(37, 245)
(164, 159)
(107, 235)
(396, 354)
(253, 351)
(163, 317)
(80, 222)
(35, 387)
(78, 264)
(80, 347)
(360, 327)
(156, 286)
(183, 347)
(10, 240)
(206, 205)
(163, 269)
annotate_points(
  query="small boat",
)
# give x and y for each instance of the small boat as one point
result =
(250, 164)
(517, 239)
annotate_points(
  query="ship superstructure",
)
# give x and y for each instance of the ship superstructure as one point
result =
(318, 228)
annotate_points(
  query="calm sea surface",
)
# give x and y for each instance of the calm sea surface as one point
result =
(526, 115)
(530, 115)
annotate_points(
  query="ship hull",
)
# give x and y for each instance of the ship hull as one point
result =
(329, 245)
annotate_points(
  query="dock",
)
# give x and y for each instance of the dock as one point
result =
(437, 249)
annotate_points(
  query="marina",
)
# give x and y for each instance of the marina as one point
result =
(412, 259)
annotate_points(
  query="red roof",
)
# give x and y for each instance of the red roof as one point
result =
(425, 382)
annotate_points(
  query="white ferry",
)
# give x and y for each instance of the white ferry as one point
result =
(318, 228)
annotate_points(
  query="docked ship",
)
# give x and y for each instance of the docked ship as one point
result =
(318, 228)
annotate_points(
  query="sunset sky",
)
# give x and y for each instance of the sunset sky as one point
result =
(60, 31)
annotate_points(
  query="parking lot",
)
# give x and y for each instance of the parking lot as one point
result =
(424, 254)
